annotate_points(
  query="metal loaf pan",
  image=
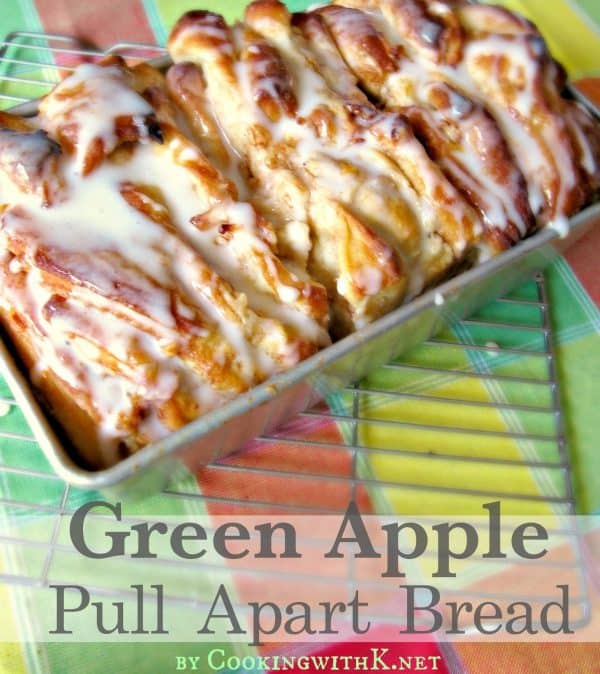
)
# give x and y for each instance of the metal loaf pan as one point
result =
(260, 410)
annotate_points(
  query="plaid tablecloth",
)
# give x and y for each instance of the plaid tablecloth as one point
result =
(572, 28)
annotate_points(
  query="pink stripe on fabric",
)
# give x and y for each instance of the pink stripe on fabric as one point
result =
(100, 23)
(584, 258)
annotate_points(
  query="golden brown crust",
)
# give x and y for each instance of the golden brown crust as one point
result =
(29, 159)
(500, 61)
(271, 161)
(139, 345)
(477, 19)
(60, 113)
(14, 122)
(388, 141)
(187, 88)
(329, 60)
(431, 29)
(457, 132)
(370, 53)
(297, 129)
(70, 408)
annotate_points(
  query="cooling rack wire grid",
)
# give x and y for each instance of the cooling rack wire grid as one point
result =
(434, 426)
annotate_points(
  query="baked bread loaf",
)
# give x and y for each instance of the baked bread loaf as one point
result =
(434, 132)
(169, 240)
(484, 58)
(138, 290)
(382, 219)
(457, 131)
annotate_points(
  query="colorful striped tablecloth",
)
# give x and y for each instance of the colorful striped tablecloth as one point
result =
(572, 27)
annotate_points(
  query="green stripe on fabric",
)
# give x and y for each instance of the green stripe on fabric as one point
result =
(572, 306)
(146, 658)
(579, 371)
(18, 15)
(21, 15)
(592, 12)
(548, 481)
(299, 5)
(574, 315)
(168, 12)
(155, 21)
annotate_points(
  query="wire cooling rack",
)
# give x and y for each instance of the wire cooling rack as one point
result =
(436, 426)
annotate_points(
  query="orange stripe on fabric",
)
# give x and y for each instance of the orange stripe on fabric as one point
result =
(530, 658)
(583, 258)
(272, 472)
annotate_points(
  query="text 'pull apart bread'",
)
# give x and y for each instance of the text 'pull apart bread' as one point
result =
(137, 288)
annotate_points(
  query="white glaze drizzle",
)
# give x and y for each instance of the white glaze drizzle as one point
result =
(91, 218)
(411, 84)
(513, 119)
(101, 95)
(346, 143)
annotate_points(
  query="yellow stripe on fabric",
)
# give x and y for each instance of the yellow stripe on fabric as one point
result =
(11, 653)
(11, 659)
(440, 474)
(571, 39)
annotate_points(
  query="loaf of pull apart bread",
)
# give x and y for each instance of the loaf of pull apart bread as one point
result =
(171, 239)
(139, 290)
(415, 136)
